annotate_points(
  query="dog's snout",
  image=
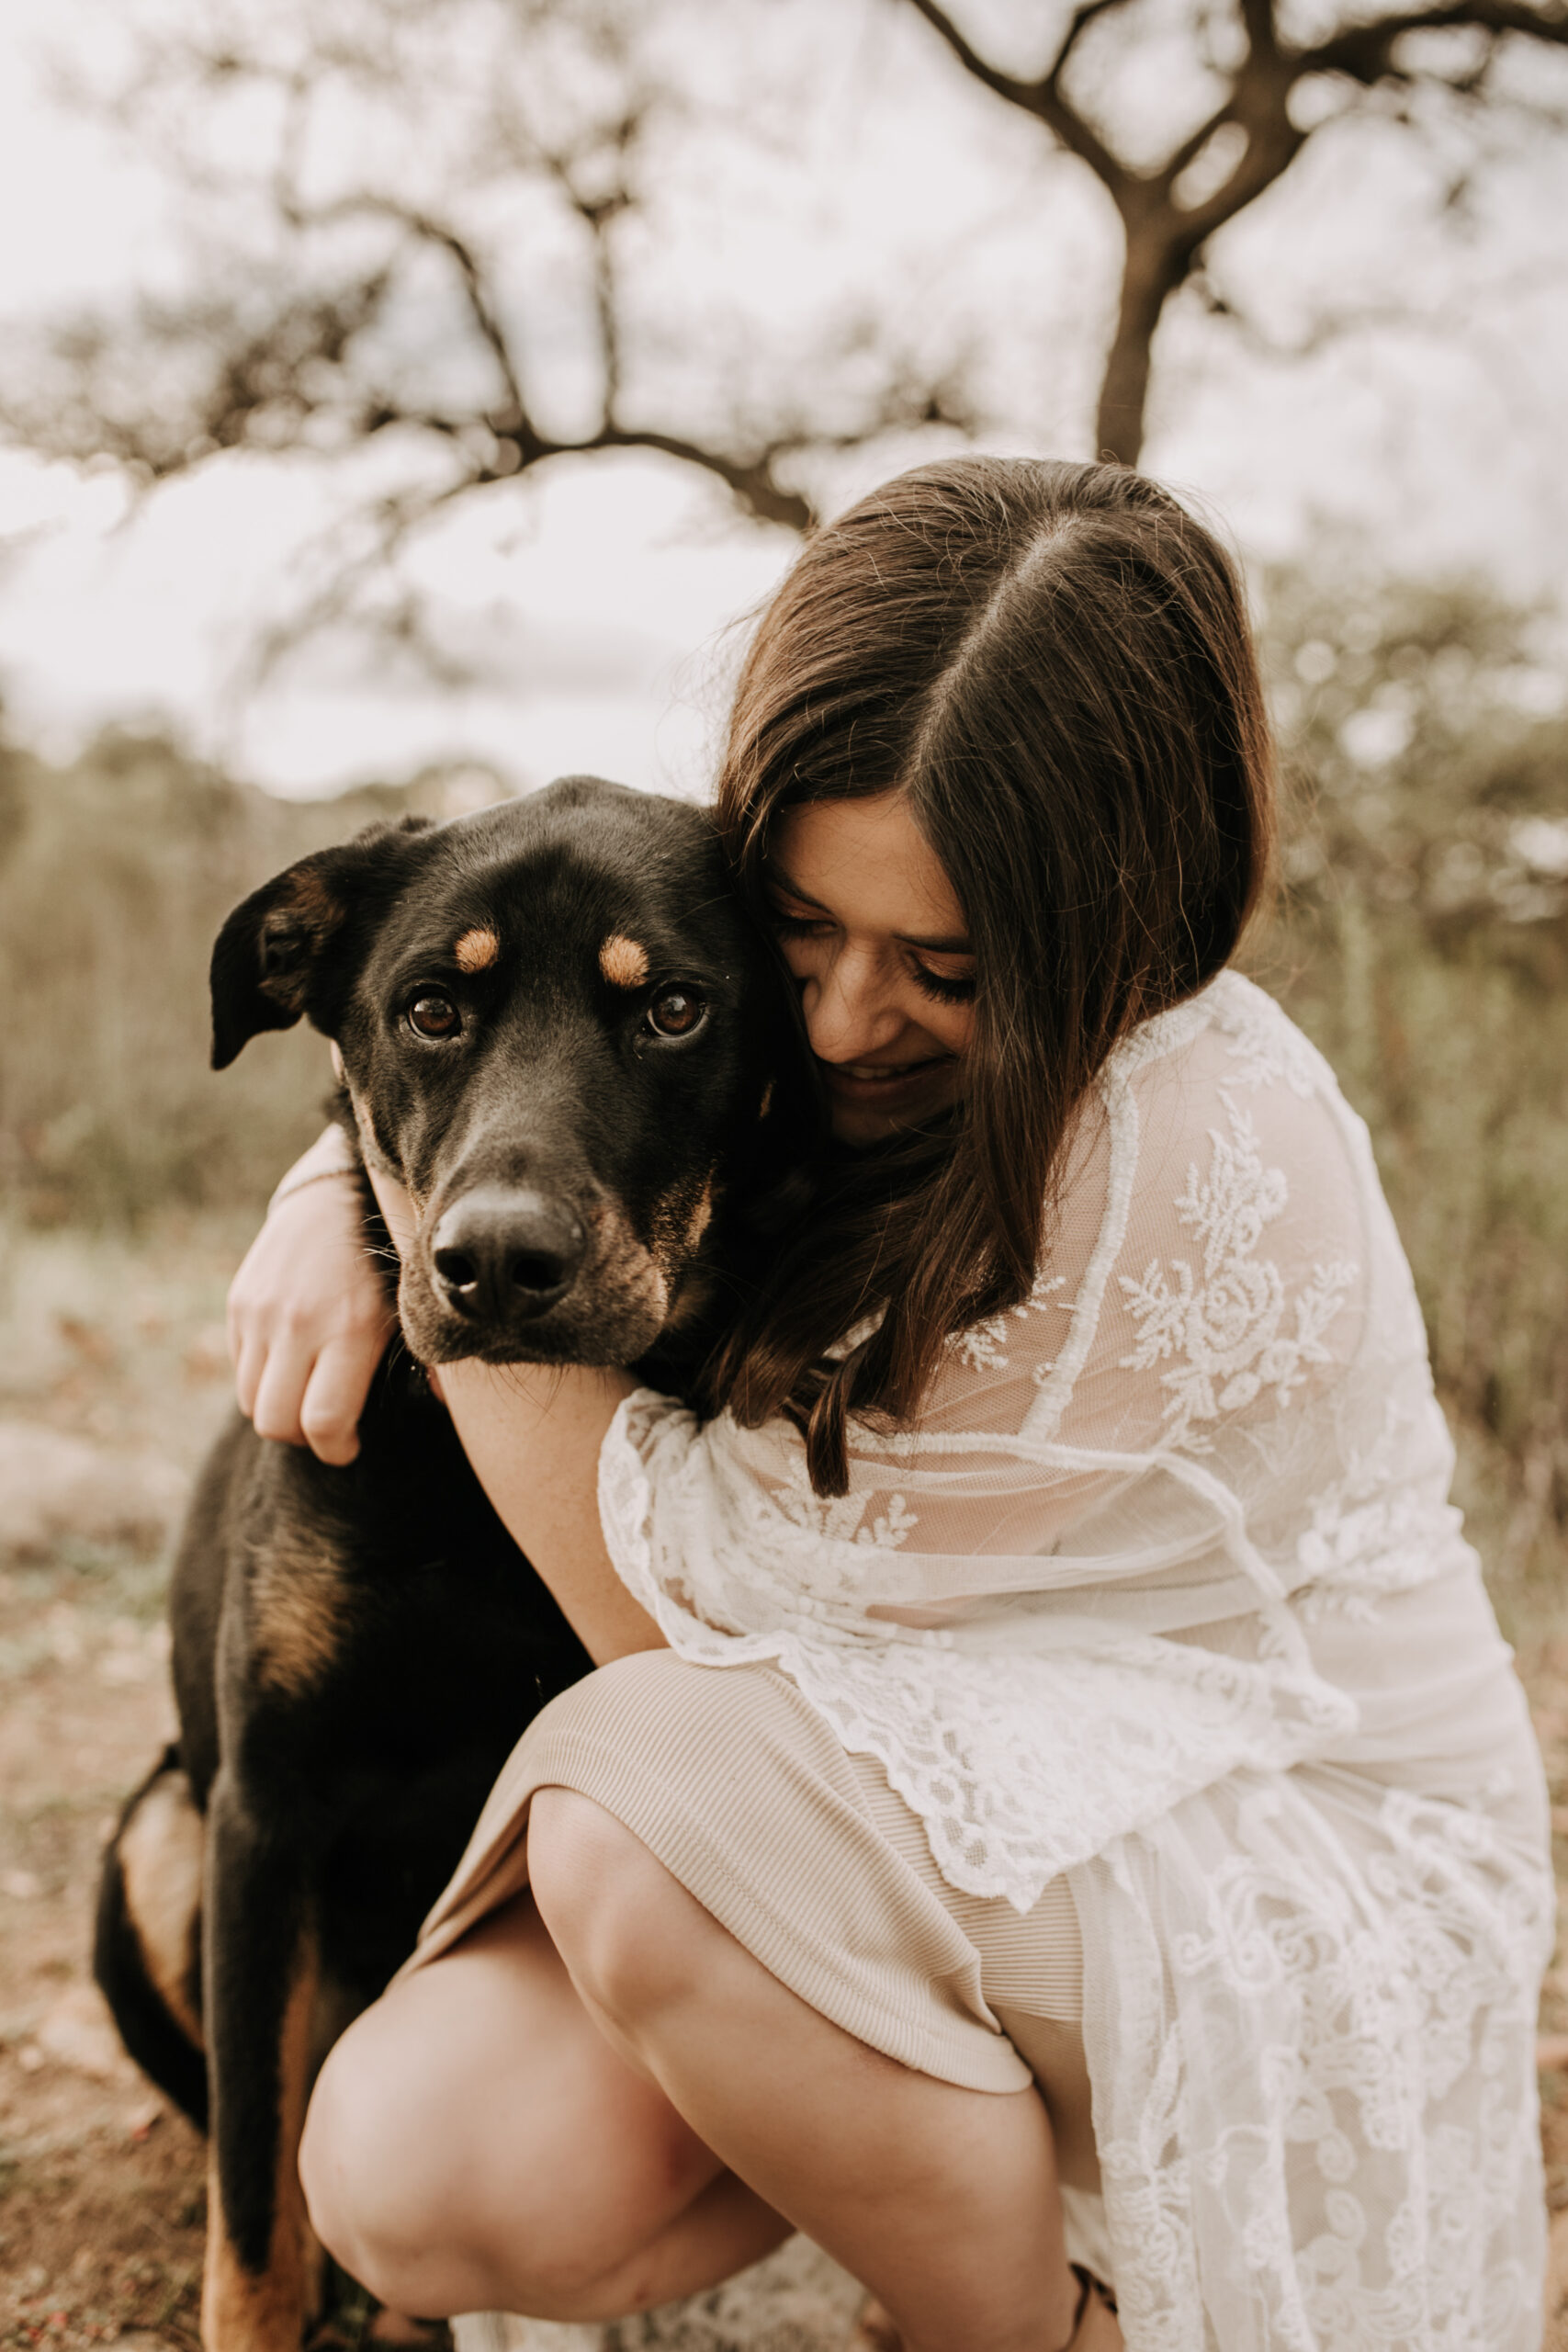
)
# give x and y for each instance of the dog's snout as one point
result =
(501, 1256)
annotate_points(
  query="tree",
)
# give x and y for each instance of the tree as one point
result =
(307, 336)
(1246, 136)
(458, 246)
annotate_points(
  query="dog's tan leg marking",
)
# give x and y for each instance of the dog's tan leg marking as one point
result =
(159, 1868)
(477, 950)
(247, 2311)
(623, 962)
(299, 1603)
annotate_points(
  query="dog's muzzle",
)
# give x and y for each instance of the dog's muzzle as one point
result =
(503, 1257)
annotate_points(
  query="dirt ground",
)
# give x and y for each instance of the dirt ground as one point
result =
(112, 1378)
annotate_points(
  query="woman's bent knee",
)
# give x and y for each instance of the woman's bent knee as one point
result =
(380, 2166)
(396, 2197)
(474, 2143)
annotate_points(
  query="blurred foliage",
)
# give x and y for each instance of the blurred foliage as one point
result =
(1421, 939)
(115, 874)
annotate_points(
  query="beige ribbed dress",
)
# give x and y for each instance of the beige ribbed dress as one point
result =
(803, 1852)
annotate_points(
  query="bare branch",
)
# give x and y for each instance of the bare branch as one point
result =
(598, 214)
(469, 269)
(1262, 34)
(391, 524)
(1192, 146)
(1365, 51)
(1165, 236)
(751, 479)
(1042, 98)
(1077, 25)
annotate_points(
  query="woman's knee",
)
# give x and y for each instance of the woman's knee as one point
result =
(625, 1926)
(381, 2165)
(474, 2143)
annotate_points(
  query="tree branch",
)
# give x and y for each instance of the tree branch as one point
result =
(1365, 51)
(752, 479)
(1042, 98)
(597, 214)
(1262, 33)
(440, 234)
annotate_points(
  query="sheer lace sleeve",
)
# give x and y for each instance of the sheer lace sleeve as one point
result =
(1214, 1406)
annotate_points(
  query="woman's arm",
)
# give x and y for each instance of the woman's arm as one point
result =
(533, 1434)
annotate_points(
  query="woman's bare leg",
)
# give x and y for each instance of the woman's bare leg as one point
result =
(943, 2200)
(475, 2144)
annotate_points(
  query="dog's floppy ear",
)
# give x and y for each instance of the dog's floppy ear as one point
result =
(273, 953)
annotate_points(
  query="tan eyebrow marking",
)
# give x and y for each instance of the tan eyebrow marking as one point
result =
(623, 962)
(477, 951)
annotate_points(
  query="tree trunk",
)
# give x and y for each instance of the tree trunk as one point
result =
(1148, 275)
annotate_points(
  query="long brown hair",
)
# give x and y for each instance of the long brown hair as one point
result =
(1054, 662)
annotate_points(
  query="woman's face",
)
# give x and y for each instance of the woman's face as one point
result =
(874, 932)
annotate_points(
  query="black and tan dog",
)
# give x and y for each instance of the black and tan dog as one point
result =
(558, 1031)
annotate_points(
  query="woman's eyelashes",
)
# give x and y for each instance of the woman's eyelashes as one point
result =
(946, 991)
(943, 987)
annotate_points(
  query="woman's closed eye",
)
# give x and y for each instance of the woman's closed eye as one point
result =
(954, 988)
(944, 987)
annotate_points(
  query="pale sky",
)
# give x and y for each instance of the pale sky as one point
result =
(593, 603)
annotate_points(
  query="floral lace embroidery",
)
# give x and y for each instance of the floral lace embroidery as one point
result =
(1391, 2044)
(1267, 1049)
(983, 1347)
(1371, 1534)
(1227, 1327)
(842, 1519)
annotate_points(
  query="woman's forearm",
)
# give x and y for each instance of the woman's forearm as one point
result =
(533, 1434)
(331, 1155)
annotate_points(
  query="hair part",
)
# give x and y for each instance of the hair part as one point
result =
(1054, 662)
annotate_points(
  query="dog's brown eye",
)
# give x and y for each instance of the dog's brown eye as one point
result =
(434, 1016)
(676, 1013)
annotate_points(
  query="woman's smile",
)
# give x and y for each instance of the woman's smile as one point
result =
(887, 1086)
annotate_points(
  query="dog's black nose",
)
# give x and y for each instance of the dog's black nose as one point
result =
(499, 1256)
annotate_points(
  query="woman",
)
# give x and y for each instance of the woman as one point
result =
(1049, 1659)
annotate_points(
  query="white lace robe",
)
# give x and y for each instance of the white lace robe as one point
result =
(1165, 1591)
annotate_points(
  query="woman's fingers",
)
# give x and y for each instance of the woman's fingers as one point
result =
(309, 1316)
(335, 1391)
(303, 1390)
(248, 1350)
(280, 1391)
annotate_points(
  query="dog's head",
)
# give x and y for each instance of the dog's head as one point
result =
(558, 1031)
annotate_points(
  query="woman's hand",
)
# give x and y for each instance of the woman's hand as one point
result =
(308, 1317)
